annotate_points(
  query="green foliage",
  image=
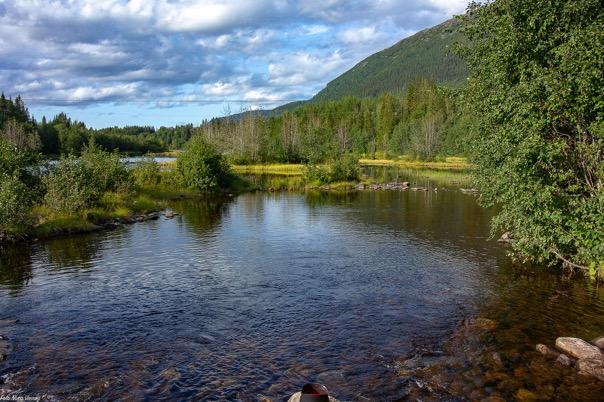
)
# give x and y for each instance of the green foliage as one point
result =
(344, 168)
(71, 186)
(78, 183)
(423, 121)
(536, 88)
(15, 202)
(316, 174)
(202, 166)
(147, 172)
(18, 183)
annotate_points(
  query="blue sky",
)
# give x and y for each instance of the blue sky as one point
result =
(166, 62)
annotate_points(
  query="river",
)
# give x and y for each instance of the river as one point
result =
(254, 295)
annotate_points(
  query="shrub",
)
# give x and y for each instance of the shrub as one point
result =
(146, 173)
(316, 173)
(71, 186)
(107, 168)
(202, 167)
(346, 168)
(15, 202)
(78, 183)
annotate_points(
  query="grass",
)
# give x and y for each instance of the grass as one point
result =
(449, 163)
(281, 169)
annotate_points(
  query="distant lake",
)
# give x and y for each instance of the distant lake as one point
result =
(257, 294)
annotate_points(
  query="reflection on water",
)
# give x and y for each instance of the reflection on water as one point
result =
(258, 294)
(15, 267)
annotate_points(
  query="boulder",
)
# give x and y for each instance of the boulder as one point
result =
(578, 348)
(592, 366)
(169, 214)
(153, 216)
(296, 398)
(546, 351)
(564, 360)
(599, 342)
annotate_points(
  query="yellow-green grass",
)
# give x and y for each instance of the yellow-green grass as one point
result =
(450, 163)
(281, 169)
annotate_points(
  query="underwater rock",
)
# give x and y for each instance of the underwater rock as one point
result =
(578, 348)
(599, 342)
(481, 324)
(592, 366)
(546, 351)
(564, 360)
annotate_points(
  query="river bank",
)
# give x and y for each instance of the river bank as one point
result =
(132, 207)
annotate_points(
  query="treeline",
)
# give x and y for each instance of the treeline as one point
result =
(423, 122)
(63, 136)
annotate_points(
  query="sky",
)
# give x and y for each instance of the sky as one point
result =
(167, 62)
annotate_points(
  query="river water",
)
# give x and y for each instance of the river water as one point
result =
(255, 295)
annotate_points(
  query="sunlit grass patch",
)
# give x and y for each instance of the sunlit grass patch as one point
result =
(449, 163)
(274, 169)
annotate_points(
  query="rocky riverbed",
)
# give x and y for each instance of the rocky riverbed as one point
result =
(586, 357)
(471, 366)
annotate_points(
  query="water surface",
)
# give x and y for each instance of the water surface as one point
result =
(257, 294)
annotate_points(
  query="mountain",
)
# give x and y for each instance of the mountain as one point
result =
(425, 54)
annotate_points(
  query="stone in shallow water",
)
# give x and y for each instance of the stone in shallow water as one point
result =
(296, 398)
(592, 366)
(599, 342)
(578, 348)
(546, 351)
(564, 360)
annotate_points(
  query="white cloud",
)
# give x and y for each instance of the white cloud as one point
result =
(359, 35)
(107, 50)
(304, 67)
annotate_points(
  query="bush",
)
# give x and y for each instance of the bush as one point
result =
(346, 168)
(71, 186)
(15, 202)
(316, 173)
(78, 183)
(202, 167)
(107, 168)
(146, 173)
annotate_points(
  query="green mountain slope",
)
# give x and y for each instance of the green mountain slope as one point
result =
(426, 54)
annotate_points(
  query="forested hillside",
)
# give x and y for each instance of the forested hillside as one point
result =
(427, 54)
(424, 121)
